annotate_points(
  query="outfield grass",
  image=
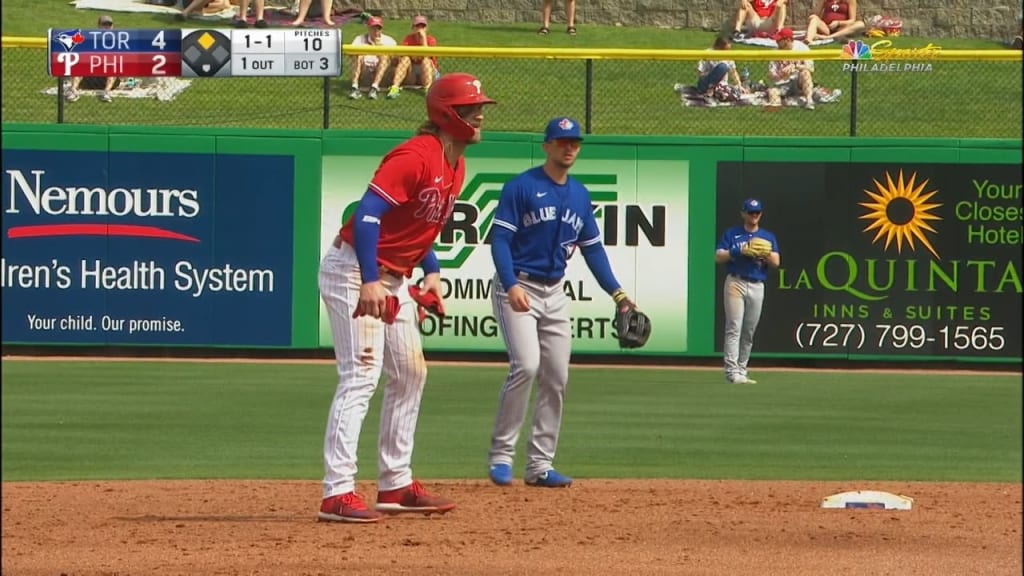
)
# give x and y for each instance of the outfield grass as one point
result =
(628, 98)
(79, 420)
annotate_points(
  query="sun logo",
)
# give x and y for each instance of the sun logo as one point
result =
(900, 211)
(856, 50)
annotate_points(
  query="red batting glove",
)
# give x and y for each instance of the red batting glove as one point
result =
(427, 302)
(390, 310)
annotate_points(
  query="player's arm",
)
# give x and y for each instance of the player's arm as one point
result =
(726, 250)
(774, 259)
(503, 230)
(597, 260)
(366, 233)
(397, 174)
(596, 257)
(430, 264)
(432, 277)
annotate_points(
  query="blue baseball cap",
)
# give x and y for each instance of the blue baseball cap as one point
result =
(562, 128)
(752, 205)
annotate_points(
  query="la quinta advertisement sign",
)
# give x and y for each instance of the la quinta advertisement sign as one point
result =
(641, 206)
(891, 259)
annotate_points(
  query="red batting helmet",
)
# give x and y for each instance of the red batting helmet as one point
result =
(449, 91)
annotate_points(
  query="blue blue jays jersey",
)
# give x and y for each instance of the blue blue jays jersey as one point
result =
(745, 266)
(548, 221)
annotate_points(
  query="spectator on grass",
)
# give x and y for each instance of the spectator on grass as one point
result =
(759, 17)
(206, 6)
(570, 17)
(424, 70)
(106, 83)
(711, 73)
(326, 8)
(370, 68)
(240, 20)
(834, 19)
(791, 77)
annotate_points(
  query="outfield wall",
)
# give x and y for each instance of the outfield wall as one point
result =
(140, 236)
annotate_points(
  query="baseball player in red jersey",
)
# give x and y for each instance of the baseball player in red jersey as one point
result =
(364, 281)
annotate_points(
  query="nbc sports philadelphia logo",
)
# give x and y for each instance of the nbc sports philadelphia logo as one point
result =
(882, 57)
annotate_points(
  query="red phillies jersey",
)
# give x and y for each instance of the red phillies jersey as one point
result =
(836, 10)
(422, 188)
(764, 8)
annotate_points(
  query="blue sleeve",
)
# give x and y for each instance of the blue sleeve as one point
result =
(501, 253)
(505, 225)
(775, 243)
(366, 234)
(725, 242)
(600, 267)
(429, 264)
(591, 233)
(506, 215)
(593, 250)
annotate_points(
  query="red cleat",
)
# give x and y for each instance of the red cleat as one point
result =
(412, 498)
(347, 508)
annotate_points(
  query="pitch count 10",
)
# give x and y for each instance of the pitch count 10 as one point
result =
(194, 53)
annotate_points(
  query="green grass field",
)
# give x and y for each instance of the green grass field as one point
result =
(629, 97)
(124, 420)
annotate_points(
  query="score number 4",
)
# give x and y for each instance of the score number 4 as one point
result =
(159, 60)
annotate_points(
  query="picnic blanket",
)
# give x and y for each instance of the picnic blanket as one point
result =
(142, 6)
(769, 43)
(285, 16)
(163, 89)
(275, 16)
(726, 96)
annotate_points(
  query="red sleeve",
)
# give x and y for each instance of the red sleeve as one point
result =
(398, 175)
(431, 41)
(407, 41)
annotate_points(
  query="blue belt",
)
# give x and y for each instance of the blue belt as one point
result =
(539, 279)
(747, 278)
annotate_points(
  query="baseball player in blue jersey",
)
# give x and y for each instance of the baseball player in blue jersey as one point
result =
(747, 251)
(543, 214)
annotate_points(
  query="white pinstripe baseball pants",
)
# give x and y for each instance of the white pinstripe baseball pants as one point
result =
(364, 348)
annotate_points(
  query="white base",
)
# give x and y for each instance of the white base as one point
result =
(871, 499)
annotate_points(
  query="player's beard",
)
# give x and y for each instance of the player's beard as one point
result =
(563, 163)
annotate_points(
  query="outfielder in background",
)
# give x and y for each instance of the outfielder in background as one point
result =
(543, 214)
(747, 251)
(364, 282)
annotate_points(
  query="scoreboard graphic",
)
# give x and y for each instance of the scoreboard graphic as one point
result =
(194, 53)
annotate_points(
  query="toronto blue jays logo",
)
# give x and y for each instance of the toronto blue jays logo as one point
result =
(69, 39)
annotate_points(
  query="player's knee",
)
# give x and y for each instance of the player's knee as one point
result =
(525, 369)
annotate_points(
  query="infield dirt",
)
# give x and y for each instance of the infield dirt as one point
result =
(596, 527)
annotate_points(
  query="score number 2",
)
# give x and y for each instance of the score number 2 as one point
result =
(159, 60)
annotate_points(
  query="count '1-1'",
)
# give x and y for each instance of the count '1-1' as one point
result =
(248, 41)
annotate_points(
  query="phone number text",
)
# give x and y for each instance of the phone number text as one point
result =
(856, 336)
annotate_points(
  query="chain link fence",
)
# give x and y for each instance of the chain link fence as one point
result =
(925, 98)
